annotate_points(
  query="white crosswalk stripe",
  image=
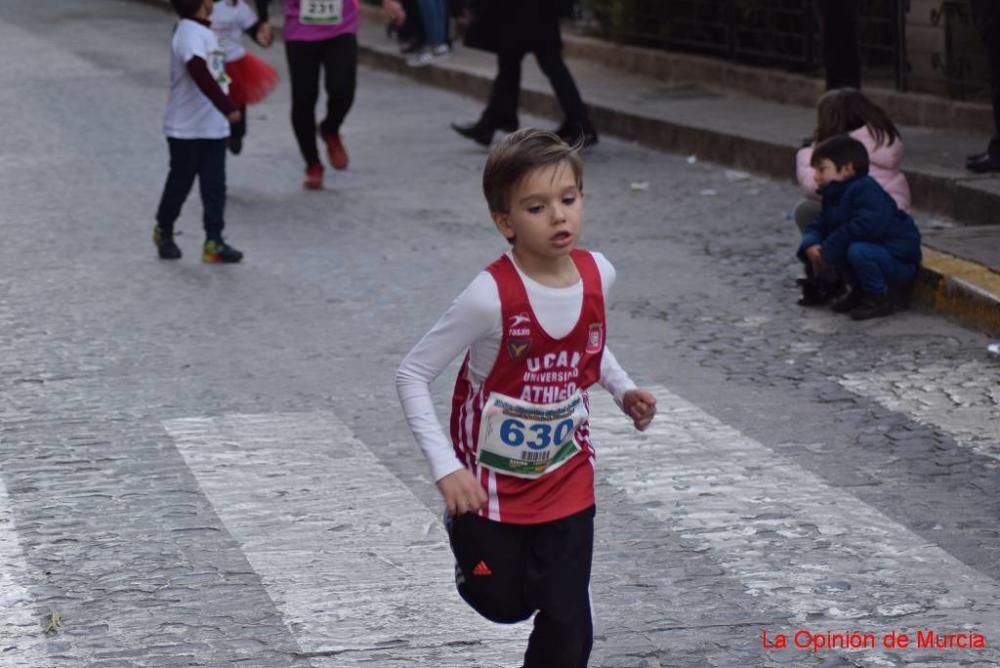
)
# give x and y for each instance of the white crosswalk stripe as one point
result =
(796, 543)
(963, 401)
(357, 565)
(21, 626)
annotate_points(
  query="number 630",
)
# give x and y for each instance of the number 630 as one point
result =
(512, 433)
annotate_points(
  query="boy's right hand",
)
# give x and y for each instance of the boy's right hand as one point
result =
(235, 117)
(462, 493)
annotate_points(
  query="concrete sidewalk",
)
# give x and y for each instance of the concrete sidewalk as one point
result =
(959, 212)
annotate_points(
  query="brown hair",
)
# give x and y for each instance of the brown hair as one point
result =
(842, 150)
(517, 155)
(186, 8)
(844, 110)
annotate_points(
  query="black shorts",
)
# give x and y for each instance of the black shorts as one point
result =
(507, 572)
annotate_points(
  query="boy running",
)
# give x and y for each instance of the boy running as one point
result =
(196, 124)
(517, 476)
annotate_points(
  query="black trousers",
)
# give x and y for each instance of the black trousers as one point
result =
(841, 53)
(508, 571)
(994, 54)
(505, 94)
(190, 158)
(994, 51)
(238, 129)
(338, 58)
(986, 16)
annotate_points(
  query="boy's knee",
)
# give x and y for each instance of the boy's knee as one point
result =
(857, 253)
(495, 604)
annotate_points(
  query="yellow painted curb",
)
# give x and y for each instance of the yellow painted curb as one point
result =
(965, 290)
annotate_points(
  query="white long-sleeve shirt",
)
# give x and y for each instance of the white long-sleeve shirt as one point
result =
(474, 322)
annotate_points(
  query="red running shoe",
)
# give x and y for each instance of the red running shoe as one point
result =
(335, 151)
(314, 177)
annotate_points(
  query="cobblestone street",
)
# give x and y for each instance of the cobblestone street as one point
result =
(207, 465)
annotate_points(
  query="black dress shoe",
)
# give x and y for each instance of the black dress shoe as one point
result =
(983, 163)
(872, 306)
(477, 132)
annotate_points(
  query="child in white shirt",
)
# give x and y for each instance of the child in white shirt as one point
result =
(196, 124)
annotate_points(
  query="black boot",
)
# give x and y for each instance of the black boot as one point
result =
(872, 306)
(848, 301)
(817, 292)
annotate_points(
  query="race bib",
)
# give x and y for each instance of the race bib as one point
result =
(321, 12)
(217, 68)
(527, 440)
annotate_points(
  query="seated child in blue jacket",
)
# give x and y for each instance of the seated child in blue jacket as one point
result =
(861, 234)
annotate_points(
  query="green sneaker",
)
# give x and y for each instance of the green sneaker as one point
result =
(219, 252)
(165, 246)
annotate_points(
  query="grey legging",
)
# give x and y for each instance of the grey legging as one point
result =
(806, 212)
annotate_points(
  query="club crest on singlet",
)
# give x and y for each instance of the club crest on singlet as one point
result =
(595, 338)
(518, 347)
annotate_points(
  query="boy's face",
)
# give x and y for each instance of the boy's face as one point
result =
(546, 213)
(826, 172)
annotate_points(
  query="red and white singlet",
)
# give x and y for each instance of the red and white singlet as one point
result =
(524, 432)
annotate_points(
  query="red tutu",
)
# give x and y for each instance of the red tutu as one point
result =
(252, 80)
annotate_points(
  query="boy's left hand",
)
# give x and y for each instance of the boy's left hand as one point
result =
(640, 405)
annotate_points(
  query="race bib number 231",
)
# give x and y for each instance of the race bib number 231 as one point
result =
(321, 12)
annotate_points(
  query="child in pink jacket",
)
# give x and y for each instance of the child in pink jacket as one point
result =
(848, 111)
